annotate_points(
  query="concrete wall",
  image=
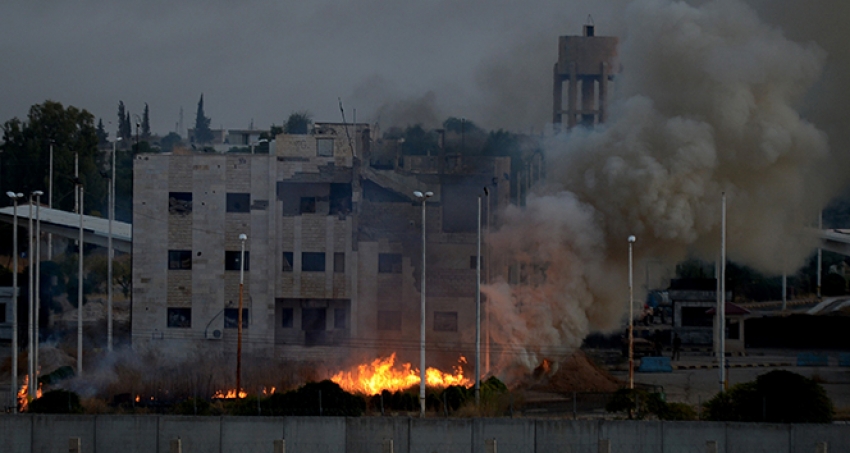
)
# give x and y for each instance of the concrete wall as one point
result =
(153, 434)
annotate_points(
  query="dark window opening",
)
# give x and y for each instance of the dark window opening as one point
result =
(733, 330)
(233, 260)
(179, 259)
(472, 262)
(179, 317)
(696, 317)
(313, 319)
(308, 205)
(238, 202)
(389, 320)
(179, 202)
(389, 263)
(231, 318)
(313, 262)
(339, 318)
(2, 313)
(445, 321)
(288, 261)
(287, 318)
(340, 199)
(339, 262)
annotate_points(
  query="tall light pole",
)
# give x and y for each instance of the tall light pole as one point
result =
(722, 310)
(478, 310)
(487, 271)
(242, 238)
(820, 253)
(109, 251)
(631, 317)
(422, 197)
(79, 187)
(14, 392)
(50, 202)
(38, 195)
(31, 301)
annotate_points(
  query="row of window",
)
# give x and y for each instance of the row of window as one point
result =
(181, 203)
(314, 319)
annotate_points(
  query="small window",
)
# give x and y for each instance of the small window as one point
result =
(313, 262)
(308, 205)
(313, 319)
(179, 259)
(445, 321)
(733, 330)
(179, 202)
(2, 313)
(287, 261)
(238, 202)
(339, 262)
(339, 318)
(389, 320)
(231, 318)
(180, 318)
(389, 263)
(232, 260)
(286, 317)
(325, 147)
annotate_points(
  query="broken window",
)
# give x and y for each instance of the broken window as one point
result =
(389, 263)
(313, 262)
(288, 261)
(179, 259)
(287, 317)
(179, 202)
(445, 321)
(238, 202)
(179, 317)
(340, 199)
(389, 320)
(325, 147)
(231, 318)
(339, 262)
(233, 260)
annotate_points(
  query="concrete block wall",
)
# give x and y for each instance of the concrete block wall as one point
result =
(26, 433)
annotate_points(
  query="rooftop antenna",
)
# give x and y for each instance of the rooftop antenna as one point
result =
(347, 135)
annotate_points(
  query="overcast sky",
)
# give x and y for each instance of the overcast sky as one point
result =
(490, 61)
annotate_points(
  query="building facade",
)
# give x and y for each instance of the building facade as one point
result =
(332, 257)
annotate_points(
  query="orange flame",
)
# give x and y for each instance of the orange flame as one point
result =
(382, 374)
(138, 398)
(23, 394)
(229, 394)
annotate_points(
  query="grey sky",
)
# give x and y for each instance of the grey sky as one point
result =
(261, 60)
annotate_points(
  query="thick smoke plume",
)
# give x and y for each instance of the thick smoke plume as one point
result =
(706, 104)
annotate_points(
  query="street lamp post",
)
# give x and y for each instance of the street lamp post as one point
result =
(478, 310)
(422, 197)
(38, 195)
(631, 318)
(80, 284)
(242, 238)
(109, 251)
(722, 308)
(14, 381)
(31, 301)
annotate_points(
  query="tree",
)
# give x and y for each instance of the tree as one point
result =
(26, 155)
(202, 134)
(776, 397)
(298, 123)
(124, 130)
(168, 142)
(146, 123)
(102, 135)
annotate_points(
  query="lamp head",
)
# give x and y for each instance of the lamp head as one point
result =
(429, 194)
(418, 194)
(38, 193)
(11, 195)
(632, 239)
(243, 237)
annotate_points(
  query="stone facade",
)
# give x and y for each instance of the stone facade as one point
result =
(333, 250)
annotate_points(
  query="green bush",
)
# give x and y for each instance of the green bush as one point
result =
(678, 411)
(776, 397)
(636, 403)
(315, 398)
(57, 402)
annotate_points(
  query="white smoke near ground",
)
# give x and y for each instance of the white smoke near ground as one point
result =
(705, 105)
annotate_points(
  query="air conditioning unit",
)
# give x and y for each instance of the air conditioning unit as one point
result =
(214, 335)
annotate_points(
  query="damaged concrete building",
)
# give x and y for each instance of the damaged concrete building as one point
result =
(332, 260)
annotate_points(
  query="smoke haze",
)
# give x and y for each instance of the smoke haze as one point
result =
(706, 104)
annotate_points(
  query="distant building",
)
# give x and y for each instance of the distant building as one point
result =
(226, 139)
(333, 252)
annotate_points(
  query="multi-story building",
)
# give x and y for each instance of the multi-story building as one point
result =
(332, 256)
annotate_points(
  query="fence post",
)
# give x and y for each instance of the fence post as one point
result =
(75, 445)
(490, 445)
(280, 446)
(604, 446)
(388, 446)
(711, 446)
(821, 447)
(176, 446)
